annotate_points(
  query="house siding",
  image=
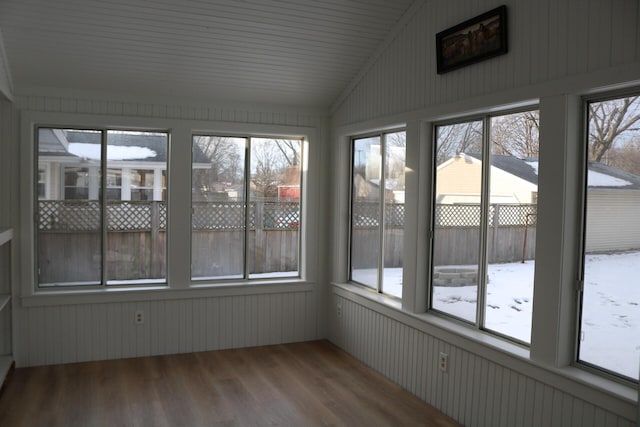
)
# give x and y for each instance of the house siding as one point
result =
(613, 220)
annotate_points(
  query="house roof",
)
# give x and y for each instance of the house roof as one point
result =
(137, 147)
(522, 168)
(600, 175)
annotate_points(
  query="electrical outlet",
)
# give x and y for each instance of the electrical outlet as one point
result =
(339, 310)
(443, 362)
(139, 317)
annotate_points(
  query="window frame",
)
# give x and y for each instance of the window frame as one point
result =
(381, 223)
(102, 199)
(581, 253)
(178, 283)
(484, 117)
(246, 274)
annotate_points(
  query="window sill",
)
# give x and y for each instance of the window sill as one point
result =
(154, 293)
(601, 391)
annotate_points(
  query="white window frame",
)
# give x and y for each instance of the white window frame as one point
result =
(581, 252)
(485, 202)
(381, 241)
(178, 278)
(246, 196)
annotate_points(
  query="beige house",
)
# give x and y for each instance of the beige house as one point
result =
(613, 195)
(458, 180)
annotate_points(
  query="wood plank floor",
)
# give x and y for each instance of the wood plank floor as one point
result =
(302, 384)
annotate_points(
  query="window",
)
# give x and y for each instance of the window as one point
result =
(377, 211)
(84, 238)
(483, 247)
(610, 307)
(246, 207)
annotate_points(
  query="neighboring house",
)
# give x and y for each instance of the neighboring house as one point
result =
(512, 180)
(69, 161)
(613, 195)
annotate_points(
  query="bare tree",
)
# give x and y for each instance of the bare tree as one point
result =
(608, 121)
(458, 138)
(290, 149)
(516, 134)
(270, 160)
(224, 157)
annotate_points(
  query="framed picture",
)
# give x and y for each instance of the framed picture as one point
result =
(477, 39)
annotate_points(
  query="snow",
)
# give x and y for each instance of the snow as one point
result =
(92, 151)
(594, 179)
(597, 179)
(534, 165)
(611, 314)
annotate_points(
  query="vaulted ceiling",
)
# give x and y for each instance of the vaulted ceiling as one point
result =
(293, 52)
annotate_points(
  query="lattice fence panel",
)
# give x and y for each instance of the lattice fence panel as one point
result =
(508, 215)
(69, 215)
(394, 215)
(218, 216)
(278, 215)
(457, 215)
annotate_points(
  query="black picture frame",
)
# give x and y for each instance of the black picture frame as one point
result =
(471, 41)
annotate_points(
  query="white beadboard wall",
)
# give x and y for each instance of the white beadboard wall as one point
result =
(548, 40)
(64, 333)
(75, 333)
(475, 391)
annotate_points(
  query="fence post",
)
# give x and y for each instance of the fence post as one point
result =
(157, 256)
(259, 244)
(496, 223)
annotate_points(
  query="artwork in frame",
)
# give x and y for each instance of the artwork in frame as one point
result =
(476, 39)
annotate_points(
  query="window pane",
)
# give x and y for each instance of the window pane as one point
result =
(276, 178)
(218, 201)
(456, 240)
(137, 221)
(365, 211)
(394, 167)
(610, 325)
(69, 215)
(512, 224)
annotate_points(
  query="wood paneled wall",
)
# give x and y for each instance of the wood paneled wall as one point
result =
(65, 333)
(548, 40)
(84, 332)
(475, 391)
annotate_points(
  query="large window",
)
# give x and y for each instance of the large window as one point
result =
(483, 248)
(377, 211)
(84, 238)
(610, 315)
(246, 200)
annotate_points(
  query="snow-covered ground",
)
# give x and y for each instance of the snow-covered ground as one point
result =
(611, 314)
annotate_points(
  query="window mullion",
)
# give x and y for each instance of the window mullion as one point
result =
(247, 204)
(103, 205)
(383, 157)
(485, 199)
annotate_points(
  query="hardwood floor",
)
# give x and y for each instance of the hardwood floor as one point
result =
(302, 384)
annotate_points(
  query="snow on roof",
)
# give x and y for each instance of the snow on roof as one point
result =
(597, 179)
(114, 152)
(594, 178)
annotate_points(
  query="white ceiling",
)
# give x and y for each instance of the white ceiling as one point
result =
(293, 52)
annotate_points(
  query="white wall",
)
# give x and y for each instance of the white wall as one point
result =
(559, 50)
(73, 328)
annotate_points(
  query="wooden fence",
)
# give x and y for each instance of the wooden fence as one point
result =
(69, 241)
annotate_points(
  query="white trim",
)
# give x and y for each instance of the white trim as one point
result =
(179, 226)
